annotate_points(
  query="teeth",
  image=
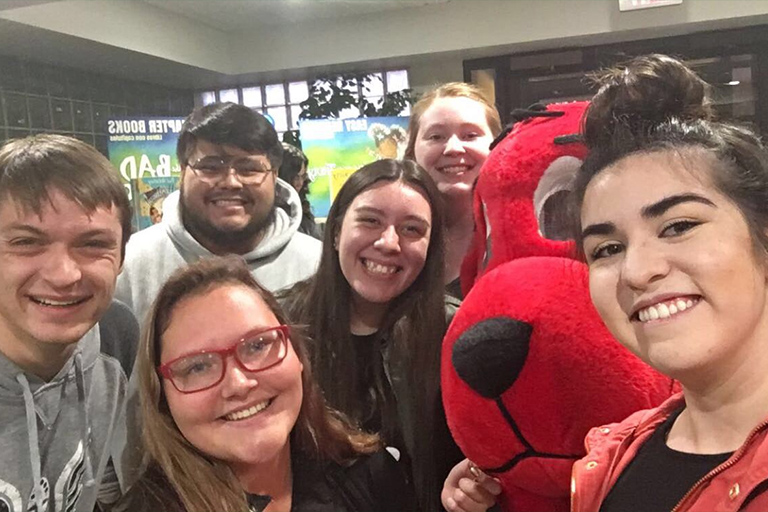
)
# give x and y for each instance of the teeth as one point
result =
(454, 169)
(247, 413)
(227, 202)
(49, 302)
(664, 310)
(379, 269)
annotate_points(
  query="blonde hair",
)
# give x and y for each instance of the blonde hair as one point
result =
(201, 482)
(450, 90)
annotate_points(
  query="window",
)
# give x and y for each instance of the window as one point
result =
(281, 101)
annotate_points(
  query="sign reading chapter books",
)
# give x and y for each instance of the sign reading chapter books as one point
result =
(338, 147)
(143, 149)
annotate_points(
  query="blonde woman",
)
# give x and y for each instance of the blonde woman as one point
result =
(450, 133)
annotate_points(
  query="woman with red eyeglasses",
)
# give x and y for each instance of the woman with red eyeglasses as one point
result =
(232, 420)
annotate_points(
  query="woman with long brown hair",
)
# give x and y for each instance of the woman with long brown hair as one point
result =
(232, 419)
(375, 313)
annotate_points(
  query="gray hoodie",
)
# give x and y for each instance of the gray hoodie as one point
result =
(56, 437)
(283, 257)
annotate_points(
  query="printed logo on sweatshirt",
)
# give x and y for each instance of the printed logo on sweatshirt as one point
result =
(45, 491)
(69, 487)
(10, 498)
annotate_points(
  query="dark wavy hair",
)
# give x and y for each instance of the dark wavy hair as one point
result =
(414, 324)
(229, 123)
(656, 103)
(200, 482)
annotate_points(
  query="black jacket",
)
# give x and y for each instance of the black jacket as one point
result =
(375, 483)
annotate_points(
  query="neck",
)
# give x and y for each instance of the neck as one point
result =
(721, 412)
(44, 360)
(273, 478)
(365, 317)
(458, 238)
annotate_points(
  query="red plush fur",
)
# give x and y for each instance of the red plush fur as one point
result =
(575, 375)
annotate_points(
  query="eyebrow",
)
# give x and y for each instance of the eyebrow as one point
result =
(651, 211)
(659, 208)
(410, 216)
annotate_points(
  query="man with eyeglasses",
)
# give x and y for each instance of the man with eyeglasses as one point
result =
(229, 156)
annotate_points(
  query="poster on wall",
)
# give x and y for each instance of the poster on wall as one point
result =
(338, 147)
(143, 149)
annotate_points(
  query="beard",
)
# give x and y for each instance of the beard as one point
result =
(234, 240)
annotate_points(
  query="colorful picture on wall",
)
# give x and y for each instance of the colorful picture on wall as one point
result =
(144, 146)
(338, 147)
(149, 193)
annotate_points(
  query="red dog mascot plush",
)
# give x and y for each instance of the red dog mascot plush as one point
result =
(528, 366)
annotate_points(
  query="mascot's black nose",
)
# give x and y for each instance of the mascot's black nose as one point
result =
(490, 355)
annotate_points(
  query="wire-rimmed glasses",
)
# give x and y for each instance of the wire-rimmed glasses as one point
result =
(250, 170)
(257, 351)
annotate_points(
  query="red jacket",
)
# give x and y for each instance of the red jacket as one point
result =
(740, 483)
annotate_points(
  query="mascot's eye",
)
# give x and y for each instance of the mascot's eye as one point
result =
(551, 199)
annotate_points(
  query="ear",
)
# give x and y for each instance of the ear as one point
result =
(336, 242)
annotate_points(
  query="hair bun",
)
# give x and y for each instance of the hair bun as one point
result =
(644, 93)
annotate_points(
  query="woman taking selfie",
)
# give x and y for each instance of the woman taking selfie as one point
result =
(674, 228)
(375, 313)
(232, 418)
(450, 132)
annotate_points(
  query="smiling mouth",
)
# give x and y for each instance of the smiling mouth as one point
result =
(58, 303)
(666, 309)
(228, 201)
(247, 413)
(454, 169)
(378, 268)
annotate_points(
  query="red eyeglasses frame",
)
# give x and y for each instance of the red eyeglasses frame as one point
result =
(165, 368)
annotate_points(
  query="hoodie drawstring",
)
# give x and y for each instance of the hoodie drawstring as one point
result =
(88, 480)
(34, 446)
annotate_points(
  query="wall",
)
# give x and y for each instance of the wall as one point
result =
(36, 98)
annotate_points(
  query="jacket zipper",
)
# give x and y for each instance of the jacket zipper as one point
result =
(725, 465)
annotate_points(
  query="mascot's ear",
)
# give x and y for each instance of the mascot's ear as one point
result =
(552, 198)
(490, 355)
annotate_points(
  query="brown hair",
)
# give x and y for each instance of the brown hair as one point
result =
(449, 90)
(33, 167)
(201, 482)
(414, 323)
(657, 103)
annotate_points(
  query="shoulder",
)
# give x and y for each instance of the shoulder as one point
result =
(119, 333)
(303, 243)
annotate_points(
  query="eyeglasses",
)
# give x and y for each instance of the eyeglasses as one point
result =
(249, 170)
(255, 352)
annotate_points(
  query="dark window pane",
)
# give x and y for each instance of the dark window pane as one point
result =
(101, 145)
(100, 117)
(82, 114)
(62, 115)
(39, 113)
(16, 110)
(17, 134)
(85, 137)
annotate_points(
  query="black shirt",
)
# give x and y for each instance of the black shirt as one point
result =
(658, 477)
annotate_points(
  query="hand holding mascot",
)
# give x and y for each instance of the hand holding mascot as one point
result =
(528, 366)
